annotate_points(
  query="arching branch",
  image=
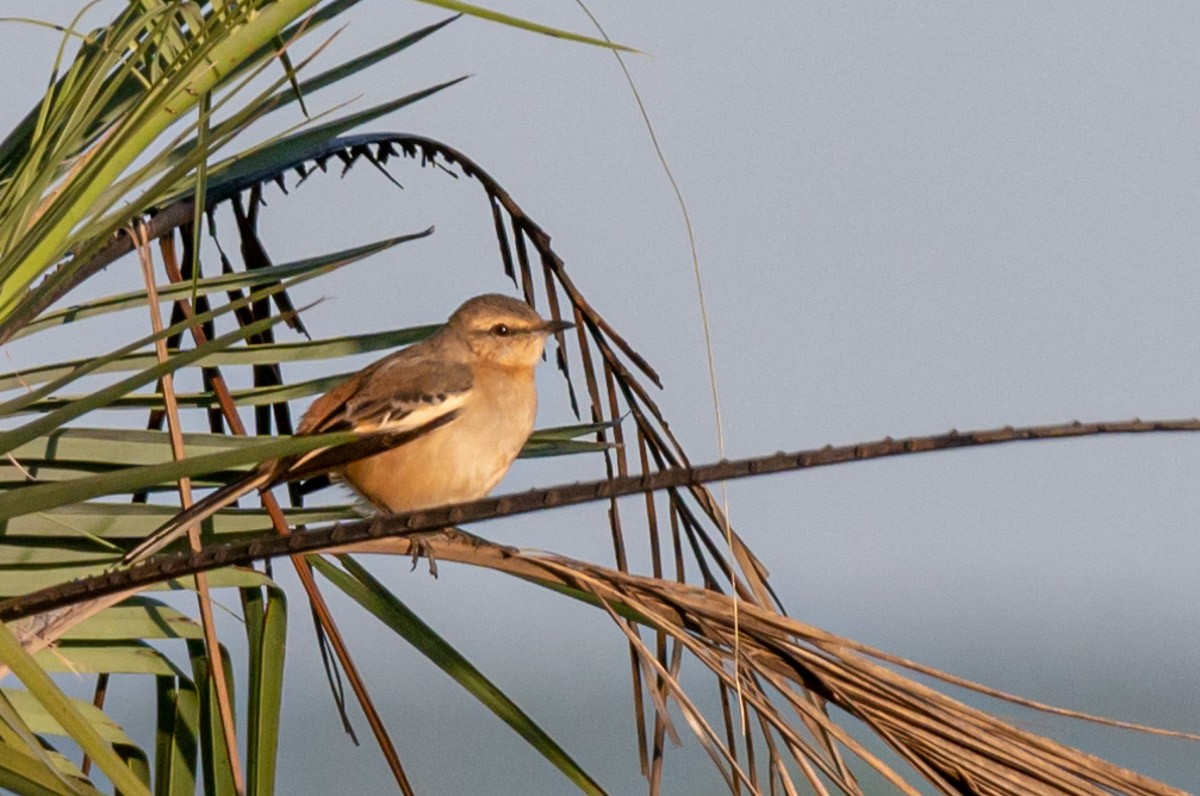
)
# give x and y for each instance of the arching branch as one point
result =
(168, 567)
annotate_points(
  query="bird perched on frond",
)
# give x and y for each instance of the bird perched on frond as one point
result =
(444, 419)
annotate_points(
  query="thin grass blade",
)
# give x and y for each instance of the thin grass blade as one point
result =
(368, 592)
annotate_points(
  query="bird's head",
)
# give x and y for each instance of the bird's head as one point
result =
(503, 331)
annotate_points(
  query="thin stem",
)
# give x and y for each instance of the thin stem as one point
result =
(216, 665)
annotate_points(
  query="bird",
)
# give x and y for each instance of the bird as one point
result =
(442, 420)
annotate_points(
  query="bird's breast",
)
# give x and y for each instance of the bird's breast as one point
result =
(463, 460)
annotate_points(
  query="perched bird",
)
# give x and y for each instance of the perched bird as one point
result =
(444, 419)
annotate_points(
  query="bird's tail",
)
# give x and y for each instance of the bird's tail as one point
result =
(197, 513)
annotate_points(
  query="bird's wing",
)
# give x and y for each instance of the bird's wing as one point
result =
(395, 394)
(394, 401)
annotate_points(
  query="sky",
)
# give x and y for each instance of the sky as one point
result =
(909, 218)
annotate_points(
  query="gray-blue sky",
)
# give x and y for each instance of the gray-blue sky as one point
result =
(910, 218)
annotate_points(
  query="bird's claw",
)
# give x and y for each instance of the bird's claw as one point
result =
(420, 547)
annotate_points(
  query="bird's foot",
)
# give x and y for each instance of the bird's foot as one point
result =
(419, 547)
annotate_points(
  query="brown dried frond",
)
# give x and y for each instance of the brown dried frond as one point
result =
(958, 748)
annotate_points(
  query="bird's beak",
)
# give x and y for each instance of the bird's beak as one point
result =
(552, 327)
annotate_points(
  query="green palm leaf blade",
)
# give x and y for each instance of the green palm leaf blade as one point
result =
(572, 431)
(136, 617)
(43, 722)
(225, 282)
(214, 754)
(130, 521)
(17, 475)
(22, 580)
(15, 734)
(39, 497)
(537, 449)
(67, 714)
(523, 24)
(16, 404)
(118, 446)
(250, 396)
(40, 555)
(177, 735)
(372, 595)
(131, 656)
(300, 351)
(21, 773)
(266, 632)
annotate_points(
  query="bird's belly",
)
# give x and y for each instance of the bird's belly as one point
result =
(458, 462)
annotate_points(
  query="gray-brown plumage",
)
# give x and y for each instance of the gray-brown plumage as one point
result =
(444, 419)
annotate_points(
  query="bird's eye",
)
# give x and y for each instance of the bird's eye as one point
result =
(501, 330)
